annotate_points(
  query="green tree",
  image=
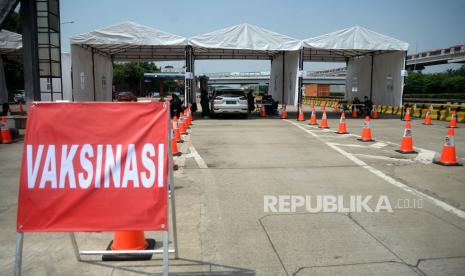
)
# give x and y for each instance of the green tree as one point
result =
(128, 76)
(13, 23)
(450, 81)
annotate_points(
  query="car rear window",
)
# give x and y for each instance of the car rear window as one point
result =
(230, 93)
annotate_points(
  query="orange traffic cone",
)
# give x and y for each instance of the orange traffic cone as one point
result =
(184, 121)
(313, 120)
(342, 129)
(407, 114)
(174, 145)
(448, 156)
(191, 118)
(324, 121)
(21, 109)
(283, 112)
(406, 146)
(366, 131)
(129, 240)
(262, 111)
(5, 133)
(354, 112)
(177, 134)
(374, 113)
(182, 125)
(453, 120)
(335, 108)
(427, 120)
(301, 114)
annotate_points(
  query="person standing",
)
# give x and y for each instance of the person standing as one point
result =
(204, 102)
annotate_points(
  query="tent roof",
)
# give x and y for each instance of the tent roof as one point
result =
(243, 41)
(10, 42)
(131, 41)
(350, 42)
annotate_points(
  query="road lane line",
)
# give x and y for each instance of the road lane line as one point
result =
(388, 179)
(200, 162)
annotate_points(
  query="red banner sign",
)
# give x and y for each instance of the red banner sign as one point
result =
(94, 167)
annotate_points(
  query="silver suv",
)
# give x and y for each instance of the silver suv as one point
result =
(229, 101)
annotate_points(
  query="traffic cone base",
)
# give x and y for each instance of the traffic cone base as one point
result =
(366, 140)
(406, 152)
(130, 257)
(447, 151)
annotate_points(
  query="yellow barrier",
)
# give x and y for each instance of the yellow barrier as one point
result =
(417, 111)
(443, 114)
(461, 116)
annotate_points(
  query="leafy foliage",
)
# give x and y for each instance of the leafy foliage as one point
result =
(128, 76)
(451, 81)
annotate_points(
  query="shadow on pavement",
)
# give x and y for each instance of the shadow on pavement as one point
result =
(185, 267)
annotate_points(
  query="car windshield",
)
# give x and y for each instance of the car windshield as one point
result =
(230, 93)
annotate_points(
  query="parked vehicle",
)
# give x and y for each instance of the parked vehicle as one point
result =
(126, 97)
(229, 101)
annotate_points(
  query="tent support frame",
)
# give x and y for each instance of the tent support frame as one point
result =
(371, 78)
(300, 80)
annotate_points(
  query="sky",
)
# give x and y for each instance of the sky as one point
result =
(424, 24)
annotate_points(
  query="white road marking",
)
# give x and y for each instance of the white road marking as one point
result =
(388, 179)
(425, 156)
(200, 162)
(378, 145)
(352, 145)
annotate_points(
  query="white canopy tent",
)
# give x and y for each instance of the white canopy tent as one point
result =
(246, 41)
(10, 45)
(374, 62)
(92, 55)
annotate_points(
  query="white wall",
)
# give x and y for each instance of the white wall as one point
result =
(83, 86)
(291, 79)
(358, 78)
(66, 76)
(291, 66)
(387, 81)
(275, 87)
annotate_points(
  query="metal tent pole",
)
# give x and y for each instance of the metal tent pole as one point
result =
(371, 78)
(299, 83)
(93, 74)
(282, 81)
(402, 89)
